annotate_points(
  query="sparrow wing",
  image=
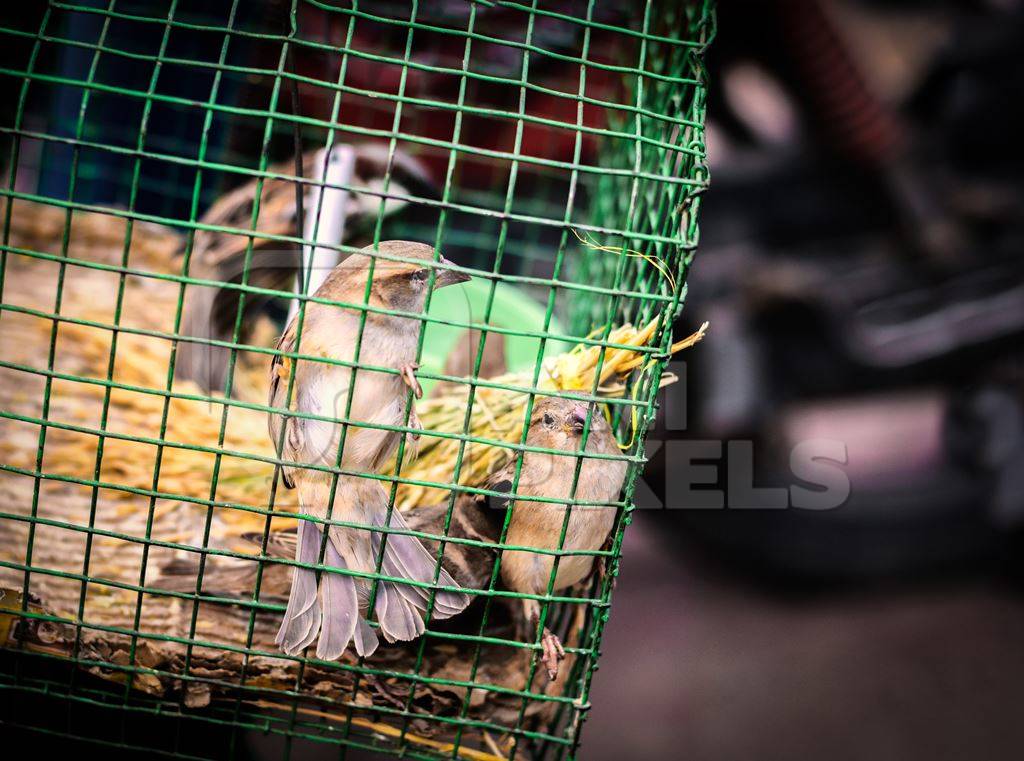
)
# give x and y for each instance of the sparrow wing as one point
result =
(280, 544)
(318, 389)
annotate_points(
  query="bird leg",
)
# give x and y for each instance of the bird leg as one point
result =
(408, 373)
(552, 650)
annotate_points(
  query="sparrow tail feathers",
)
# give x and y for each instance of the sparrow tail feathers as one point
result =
(301, 621)
(406, 557)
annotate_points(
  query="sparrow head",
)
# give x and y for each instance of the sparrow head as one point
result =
(396, 284)
(559, 419)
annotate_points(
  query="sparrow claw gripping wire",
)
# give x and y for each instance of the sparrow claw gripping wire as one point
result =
(552, 652)
(409, 376)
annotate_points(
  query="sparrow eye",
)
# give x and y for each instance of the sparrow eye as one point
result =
(548, 419)
(420, 276)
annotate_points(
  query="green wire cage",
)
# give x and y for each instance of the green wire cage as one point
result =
(173, 172)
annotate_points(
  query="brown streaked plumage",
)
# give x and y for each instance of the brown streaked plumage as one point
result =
(558, 423)
(365, 396)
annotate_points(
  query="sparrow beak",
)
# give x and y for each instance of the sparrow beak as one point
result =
(449, 277)
(578, 418)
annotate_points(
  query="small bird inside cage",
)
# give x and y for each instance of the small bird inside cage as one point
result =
(362, 396)
(558, 423)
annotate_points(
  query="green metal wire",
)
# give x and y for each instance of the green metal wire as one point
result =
(629, 103)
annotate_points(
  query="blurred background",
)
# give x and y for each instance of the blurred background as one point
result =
(859, 264)
(860, 267)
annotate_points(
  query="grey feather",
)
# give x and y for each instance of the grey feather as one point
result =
(302, 617)
(399, 620)
(406, 557)
(340, 608)
(365, 639)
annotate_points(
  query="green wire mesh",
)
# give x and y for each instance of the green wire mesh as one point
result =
(522, 129)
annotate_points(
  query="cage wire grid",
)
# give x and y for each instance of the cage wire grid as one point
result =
(129, 121)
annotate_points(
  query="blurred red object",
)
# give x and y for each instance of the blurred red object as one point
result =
(374, 64)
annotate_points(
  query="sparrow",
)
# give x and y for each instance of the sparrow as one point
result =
(337, 610)
(558, 423)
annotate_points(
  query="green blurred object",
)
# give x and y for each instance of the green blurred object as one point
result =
(512, 309)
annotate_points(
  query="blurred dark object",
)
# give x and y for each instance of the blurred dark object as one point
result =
(918, 670)
(373, 85)
(860, 270)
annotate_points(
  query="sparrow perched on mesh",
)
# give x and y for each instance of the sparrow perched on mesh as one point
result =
(363, 396)
(558, 423)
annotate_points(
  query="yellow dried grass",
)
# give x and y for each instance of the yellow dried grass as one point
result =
(499, 414)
